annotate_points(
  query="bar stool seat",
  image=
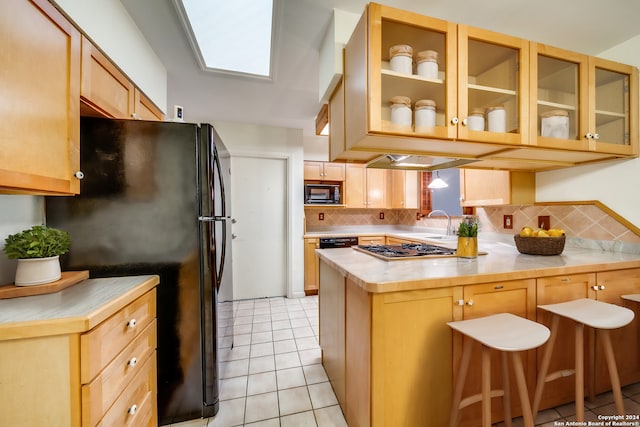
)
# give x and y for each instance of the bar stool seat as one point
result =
(507, 333)
(602, 317)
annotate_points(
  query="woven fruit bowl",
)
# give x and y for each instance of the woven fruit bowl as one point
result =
(540, 245)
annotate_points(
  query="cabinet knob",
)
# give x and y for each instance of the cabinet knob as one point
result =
(79, 174)
(470, 302)
(596, 136)
(131, 323)
(133, 409)
(601, 287)
(461, 302)
(455, 120)
(598, 287)
(588, 135)
(133, 362)
(464, 122)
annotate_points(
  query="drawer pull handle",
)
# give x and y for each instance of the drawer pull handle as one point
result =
(132, 362)
(131, 323)
(132, 410)
(565, 279)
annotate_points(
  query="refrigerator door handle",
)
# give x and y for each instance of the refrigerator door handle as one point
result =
(213, 218)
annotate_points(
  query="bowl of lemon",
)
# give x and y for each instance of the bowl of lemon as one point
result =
(539, 241)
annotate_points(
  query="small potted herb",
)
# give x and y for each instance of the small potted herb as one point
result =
(468, 238)
(38, 251)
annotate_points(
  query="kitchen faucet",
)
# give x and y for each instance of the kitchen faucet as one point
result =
(445, 214)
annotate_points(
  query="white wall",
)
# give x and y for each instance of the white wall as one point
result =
(242, 138)
(110, 26)
(17, 213)
(613, 183)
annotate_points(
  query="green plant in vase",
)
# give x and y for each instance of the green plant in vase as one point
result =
(37, 250)
(468, 237)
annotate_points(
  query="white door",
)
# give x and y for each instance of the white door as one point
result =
(259, 208)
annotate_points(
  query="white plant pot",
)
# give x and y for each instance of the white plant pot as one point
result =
(37, 271)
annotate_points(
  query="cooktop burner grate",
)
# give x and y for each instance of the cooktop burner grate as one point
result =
(407, 250)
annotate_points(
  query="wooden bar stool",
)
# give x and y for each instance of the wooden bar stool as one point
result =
(506, 333)
(602, 317)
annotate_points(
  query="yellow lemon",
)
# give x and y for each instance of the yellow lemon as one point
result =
(542, 233)
(526, 231)
(555, 232)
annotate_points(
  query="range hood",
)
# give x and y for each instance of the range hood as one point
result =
(415, 162)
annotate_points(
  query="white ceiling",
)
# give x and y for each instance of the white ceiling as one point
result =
(291, 98)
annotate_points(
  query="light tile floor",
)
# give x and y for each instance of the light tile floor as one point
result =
(272, 377)
(273, 374)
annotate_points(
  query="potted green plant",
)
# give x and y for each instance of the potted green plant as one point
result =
(38, 251)
(468, 237)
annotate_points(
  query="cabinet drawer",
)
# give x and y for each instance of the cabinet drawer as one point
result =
(141, 395)
(98, 395)
(99, 346)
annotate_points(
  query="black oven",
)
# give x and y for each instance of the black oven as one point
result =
(324, 194)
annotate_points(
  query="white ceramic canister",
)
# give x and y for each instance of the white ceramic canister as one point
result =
(401, 113)
(497, 119)
(427, 64)
(425, 114)
(475, 121)
(555, 124)
(401, 59)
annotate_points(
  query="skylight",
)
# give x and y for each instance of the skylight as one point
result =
(230, 35)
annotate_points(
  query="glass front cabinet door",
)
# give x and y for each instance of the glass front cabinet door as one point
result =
(613, 100)
(581, 103)
(493, 73)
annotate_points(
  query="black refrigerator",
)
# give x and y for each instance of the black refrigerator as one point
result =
(152, 201)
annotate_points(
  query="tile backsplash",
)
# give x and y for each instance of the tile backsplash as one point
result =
(582, 221)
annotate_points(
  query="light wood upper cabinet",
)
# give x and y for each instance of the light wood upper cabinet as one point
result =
(494, 187)
(405, 189)
(40, 83)
(107, 92)
(596, 98)
(481, 69)
(477, 69)
(365, 188)
(323, 171)
(104, 87)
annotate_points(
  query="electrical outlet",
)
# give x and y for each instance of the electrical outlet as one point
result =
(507, 221)
(544, 222)
(381, 215)
(321, 216)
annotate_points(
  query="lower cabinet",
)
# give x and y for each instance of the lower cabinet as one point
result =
(517, 297)
(392, 359)
(104, 377)
(311, 269)
(372, 240)
(611, 285)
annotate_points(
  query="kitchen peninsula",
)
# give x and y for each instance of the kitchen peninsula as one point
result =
(392, 359)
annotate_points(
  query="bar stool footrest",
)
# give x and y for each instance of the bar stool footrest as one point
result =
(475, 398)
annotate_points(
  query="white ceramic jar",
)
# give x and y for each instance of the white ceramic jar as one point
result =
(427, 64)
(475, 121)
(555, 124)
(425, 115)
(497, 119)
(401, 113)
(401, 59)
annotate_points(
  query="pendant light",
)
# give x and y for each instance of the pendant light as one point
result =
(438, 182)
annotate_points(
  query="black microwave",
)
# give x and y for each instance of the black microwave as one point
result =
(325, 194)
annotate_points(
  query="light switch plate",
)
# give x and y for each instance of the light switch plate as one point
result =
(544, 222)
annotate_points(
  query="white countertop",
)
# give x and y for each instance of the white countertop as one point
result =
(74, 309)
(502, 262)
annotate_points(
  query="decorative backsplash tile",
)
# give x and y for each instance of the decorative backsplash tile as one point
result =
(578, 221)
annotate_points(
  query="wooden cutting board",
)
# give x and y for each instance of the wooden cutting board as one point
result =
(68, 278)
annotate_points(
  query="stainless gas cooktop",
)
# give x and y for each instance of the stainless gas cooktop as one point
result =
(406, 250)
